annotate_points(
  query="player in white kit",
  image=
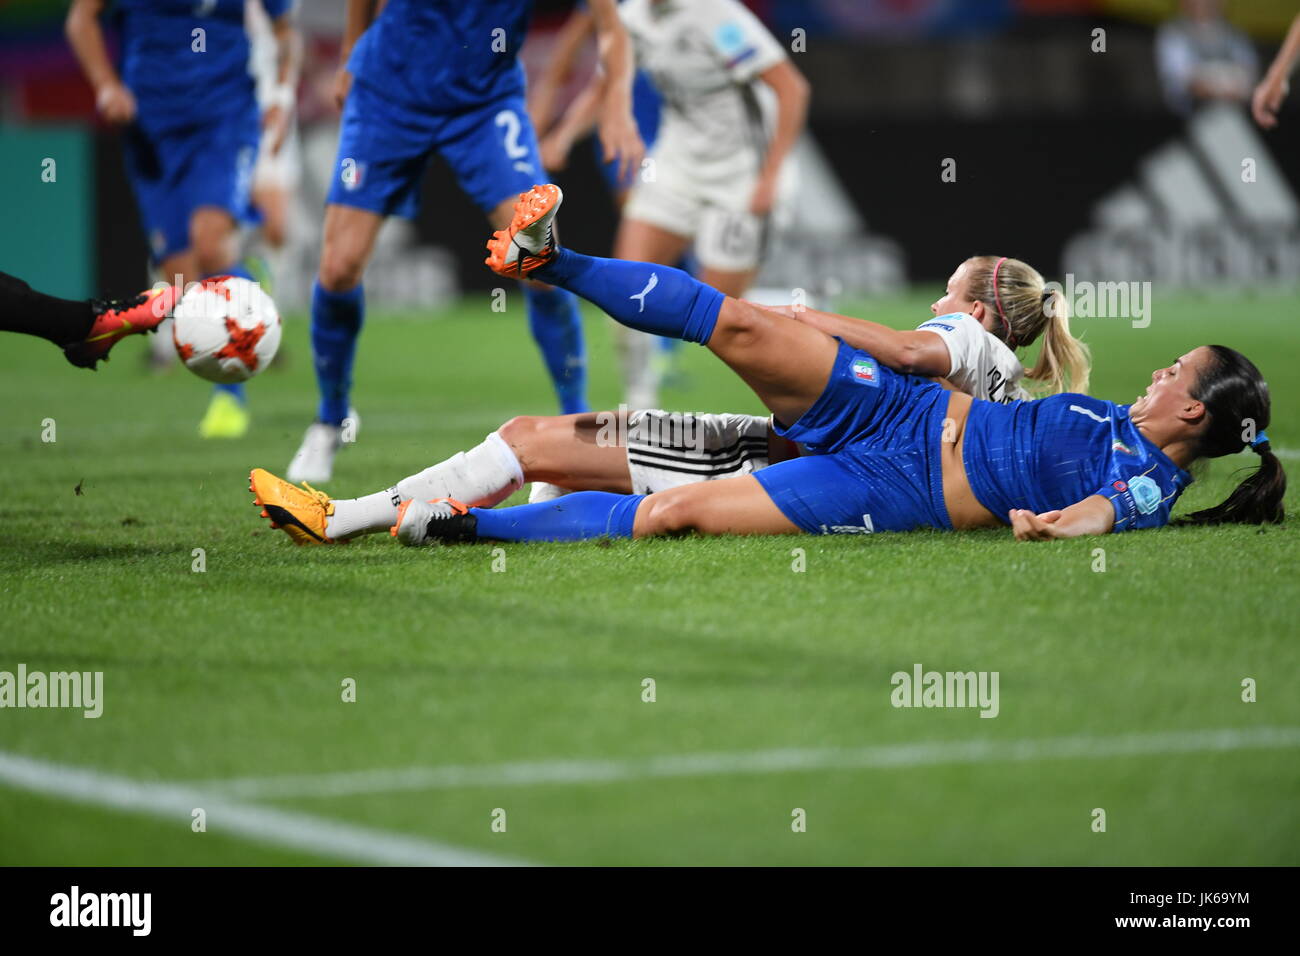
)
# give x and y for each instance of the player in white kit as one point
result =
(733, 107)
(278, 169)
(991, 306)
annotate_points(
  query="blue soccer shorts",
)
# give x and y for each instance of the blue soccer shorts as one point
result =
(874, 439)
(385, 146)
(174, 173)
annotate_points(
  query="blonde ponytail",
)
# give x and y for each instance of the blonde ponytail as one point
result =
(1064, 363)
(1023, 308)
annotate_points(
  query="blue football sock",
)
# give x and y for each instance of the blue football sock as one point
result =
(575, 517)
(238, 269)
(557, 326)
(336, 319)
(641, 295)
(236, 390)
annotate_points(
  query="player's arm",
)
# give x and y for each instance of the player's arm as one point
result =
(1272, 90)
(618, 133)
(912, 352)
(1092, 515)
(288, 63)
(360, 14)
(792, 95)
(545, 90)
(113, 100)
(578, 120)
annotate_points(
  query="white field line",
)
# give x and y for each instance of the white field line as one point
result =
(1287, 454)
(268, 825)
(753, 762)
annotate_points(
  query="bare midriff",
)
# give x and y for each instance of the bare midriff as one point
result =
(964, 509)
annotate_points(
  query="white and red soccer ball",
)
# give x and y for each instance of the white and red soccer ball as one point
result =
(226, 329)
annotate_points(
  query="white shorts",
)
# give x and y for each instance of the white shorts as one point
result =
(668, 449)
(284, 169)
(712, 210)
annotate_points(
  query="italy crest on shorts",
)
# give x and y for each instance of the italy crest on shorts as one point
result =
(865, 371)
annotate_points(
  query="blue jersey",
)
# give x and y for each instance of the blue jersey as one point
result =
(442, 56)
(1056, 451)
(186, 61)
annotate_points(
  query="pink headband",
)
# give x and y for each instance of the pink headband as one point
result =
(997, 297)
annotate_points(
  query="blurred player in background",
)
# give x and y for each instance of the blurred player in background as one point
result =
(558, 141)
(185, 101)
(1202, 58)
(440, 76)
(733, 107)
(1272, 90)
(278, 171)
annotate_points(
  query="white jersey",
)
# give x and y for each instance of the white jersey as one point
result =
(982, 364)
(705, 57)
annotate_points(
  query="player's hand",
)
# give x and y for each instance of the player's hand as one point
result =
(1031, 527)
(342, 85)
(620, 140)
(1270, 93)
(555, 149)
(764, 198)
(275, 123)
(115, 103)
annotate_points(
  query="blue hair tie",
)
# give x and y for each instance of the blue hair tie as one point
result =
(1260, 439)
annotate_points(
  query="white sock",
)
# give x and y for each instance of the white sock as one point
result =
(640, 376)
(366, 515)
(545, 491)
(486, 475)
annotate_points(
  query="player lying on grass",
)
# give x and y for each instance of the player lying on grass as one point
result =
(988, 301)
(84, 328)
(889, 452)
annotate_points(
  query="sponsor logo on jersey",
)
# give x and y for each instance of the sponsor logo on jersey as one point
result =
(864, 370)
(937, 325)
(1145, 492)
(1120, 485)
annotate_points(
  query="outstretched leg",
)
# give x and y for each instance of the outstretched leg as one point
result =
(730, 506)
(785, 362)
(85, 329)
(577, 451)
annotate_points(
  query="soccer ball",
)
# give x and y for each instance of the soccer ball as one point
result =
(226, 329)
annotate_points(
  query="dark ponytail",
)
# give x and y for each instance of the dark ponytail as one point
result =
(1236, 398)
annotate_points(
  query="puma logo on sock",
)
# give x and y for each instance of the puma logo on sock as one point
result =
(649, 287)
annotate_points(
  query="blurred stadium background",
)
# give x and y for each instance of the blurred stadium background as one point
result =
(1078, 160)
(1073, 150)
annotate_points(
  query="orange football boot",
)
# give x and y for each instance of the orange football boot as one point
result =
(302, 515)
(528, 243)
(115, 319)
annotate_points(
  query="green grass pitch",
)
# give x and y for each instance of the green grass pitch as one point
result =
(236, 672)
